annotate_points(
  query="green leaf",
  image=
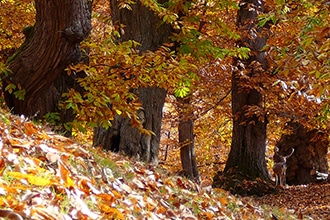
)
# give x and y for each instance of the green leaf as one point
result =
(10, 88)
(4, 69)
(185, 49)
(308, 41)
(106, 124)
(69, 105)
(182, 92)
(243, 52)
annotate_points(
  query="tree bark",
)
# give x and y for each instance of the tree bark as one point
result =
(186, 141)
(309, 157)
(247, 154)
(50, 45)
(246, 160)
(143, 26)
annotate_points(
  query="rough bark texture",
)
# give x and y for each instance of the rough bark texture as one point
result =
(153, 101)
(247, 155)
(50, 45)
(248, 147)
(143, 26)
(309, 157)
(186, 141)
(122, 137)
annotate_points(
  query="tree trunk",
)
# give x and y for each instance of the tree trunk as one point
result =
(143, 26)
(186, 141)
(246, 159)
(50, 45)
(310, 154)
(247, 154)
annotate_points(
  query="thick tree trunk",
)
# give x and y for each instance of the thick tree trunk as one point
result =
(246, 160)
(186, 141)
(247, 154)
(143, 26)
(309, 159)
(50, 45)
(122, 137)
(152, 103)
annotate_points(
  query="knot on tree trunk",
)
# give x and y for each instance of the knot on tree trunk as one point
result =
(75, 34)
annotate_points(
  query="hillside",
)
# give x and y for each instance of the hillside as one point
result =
(47, 176)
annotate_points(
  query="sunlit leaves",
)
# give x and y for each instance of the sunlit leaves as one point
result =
(16, 90)
(31, 178)
(114, 71)
(242, 52)
(126, 4)
(15, 15)
(296, 47)
(170, 18)
(182, 91)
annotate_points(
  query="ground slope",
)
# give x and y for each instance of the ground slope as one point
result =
(47, 176)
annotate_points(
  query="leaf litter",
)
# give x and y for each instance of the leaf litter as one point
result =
(44, 175)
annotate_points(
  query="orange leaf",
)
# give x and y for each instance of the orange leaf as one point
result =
(223, 200)
(106, 197)
(115, 213)
(117, 194)
(30, 129)
(64, 175)
(2, 166)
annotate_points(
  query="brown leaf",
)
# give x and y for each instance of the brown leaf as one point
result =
(8, 214)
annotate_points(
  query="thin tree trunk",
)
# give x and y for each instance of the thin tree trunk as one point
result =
(50, 45)
(186, 141)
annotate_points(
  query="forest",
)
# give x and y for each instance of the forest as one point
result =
(168, 109)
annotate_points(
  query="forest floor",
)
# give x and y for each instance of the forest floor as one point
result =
(308, 201)
(44, 175)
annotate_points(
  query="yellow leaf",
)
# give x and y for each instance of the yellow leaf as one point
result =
(2, 201)
(39, 181)
(35, 180)
(169, 183)
(117, 194)
(118, 112)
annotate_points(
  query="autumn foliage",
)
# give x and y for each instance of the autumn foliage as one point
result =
(41, 169)
(47, 176)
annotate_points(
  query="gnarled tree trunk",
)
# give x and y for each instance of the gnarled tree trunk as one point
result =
(309, 157)
(143, 26)
(51, 44)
